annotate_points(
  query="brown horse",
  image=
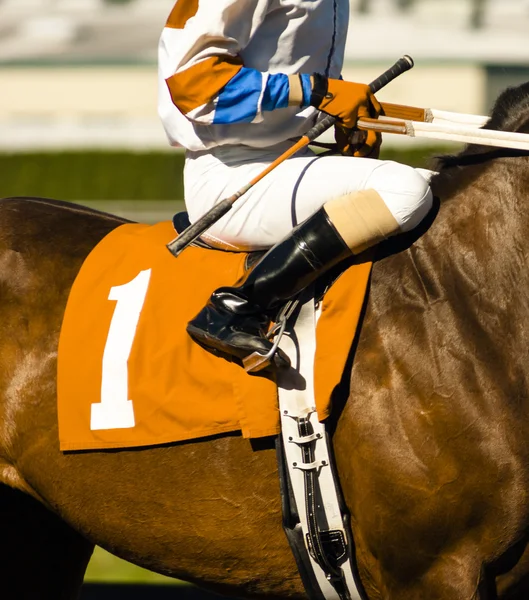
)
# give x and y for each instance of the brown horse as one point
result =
(431, 443)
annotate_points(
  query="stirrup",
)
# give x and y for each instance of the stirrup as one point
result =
(256, 361)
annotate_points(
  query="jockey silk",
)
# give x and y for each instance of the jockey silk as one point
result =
(223, 67)
(224, 93)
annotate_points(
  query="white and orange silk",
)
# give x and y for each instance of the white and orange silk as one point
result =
(224, 67)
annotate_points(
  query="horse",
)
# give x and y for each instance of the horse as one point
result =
(430, 436)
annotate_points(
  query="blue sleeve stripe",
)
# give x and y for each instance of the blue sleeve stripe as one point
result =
(238, 101)
(276, 92)
(307, 90)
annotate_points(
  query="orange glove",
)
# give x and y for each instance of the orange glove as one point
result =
(345, 100)
(348, 102)
(357, 143)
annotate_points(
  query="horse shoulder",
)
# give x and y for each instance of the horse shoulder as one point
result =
(42, 246)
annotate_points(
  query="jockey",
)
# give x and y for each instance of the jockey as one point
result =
(240, 80)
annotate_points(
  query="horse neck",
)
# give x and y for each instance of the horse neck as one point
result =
(472, 269)
(454, 307)
(480, 238)
(446, 330)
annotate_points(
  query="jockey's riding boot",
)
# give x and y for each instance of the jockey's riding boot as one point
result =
(235, 320)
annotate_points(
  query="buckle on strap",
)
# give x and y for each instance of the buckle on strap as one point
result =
(313, 466)
(304, 439)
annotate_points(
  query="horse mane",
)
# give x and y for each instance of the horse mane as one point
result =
(510, 113)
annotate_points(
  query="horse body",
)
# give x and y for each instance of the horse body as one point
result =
(161, 507)
(431, 444)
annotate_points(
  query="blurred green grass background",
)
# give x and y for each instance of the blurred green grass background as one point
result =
(114, 181)
(106, 568)
(122, 175)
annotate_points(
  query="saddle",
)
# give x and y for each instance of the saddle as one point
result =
(181, 222)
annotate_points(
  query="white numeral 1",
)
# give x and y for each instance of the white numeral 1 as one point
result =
(115, 411)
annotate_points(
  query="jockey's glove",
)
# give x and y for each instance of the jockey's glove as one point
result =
(355, 142)
(348, 102)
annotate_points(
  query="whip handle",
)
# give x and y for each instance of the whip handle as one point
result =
(401, 66)
(191, 233)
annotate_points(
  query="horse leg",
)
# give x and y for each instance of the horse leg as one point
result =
(520, 592)
(453, 586)
(455, 576)
(40, 555)
(513, 582)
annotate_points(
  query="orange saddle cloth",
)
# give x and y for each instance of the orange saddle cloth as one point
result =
(128, 373)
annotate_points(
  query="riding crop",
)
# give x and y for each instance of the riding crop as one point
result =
(219, 210)
(442, 125)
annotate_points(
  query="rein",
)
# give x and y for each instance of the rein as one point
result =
(442, 125)
(479, 158)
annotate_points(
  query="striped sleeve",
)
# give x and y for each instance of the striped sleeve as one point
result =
(200, 61)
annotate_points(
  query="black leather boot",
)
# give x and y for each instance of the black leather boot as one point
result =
(235, 320)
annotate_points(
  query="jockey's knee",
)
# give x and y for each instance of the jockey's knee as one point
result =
(405, 191)
(397, 199)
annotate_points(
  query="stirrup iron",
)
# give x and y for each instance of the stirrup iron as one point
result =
(256, 361)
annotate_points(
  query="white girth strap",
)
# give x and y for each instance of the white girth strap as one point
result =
(296, 400)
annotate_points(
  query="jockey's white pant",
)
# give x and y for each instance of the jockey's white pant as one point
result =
(293, 191)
